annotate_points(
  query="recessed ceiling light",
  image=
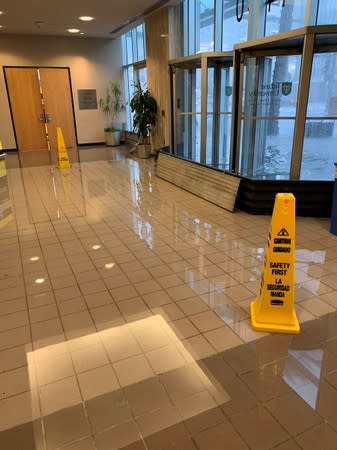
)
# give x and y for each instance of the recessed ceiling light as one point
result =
(1, 12)
(34, 258)
(40, 280)
(86, 18)
(1, 26)
(82, 32)
(96, 247)
(73, 30)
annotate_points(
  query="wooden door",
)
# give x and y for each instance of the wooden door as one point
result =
(56, 91)
(24, 94)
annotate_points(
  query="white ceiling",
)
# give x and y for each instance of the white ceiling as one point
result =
(48, 17)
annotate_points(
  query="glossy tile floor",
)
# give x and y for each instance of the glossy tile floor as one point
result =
(124, 318)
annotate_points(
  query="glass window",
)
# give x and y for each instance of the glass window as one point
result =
(134, 45)
(124, 50)
(176, 30)
(128, 38)
(210, 115)
(140, 42)
(319, 149)
(188, 112)
(142, 75)
(204, 25)
(323, 86)
(233, 32)
(188, 136)
(223, 150)
(226, 89)
(133, 51)
(271, 155)
(284, 16)
(327, 12)
(128, 73)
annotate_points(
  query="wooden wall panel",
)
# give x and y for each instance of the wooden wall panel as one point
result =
(157, 51)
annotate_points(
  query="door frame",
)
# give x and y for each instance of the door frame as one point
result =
(39, 67)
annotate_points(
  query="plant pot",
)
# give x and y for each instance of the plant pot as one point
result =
(112, 138)
(144, 151)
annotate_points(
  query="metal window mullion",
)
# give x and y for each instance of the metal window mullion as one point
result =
(203, 128)
(236, 112)
(173, 114)
(311, 13)
(255, 19)
(302, 103)
(216, 114)
(186, 29)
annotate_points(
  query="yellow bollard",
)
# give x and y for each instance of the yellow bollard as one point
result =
(62, 154)
(273, 310)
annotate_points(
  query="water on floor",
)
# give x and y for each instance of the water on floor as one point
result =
(124, 317)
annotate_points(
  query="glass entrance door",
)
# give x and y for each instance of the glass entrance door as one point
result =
(187, 104)
(202, 110)
(268, 99)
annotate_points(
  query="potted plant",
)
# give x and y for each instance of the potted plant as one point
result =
(112, 105)
(144, 108)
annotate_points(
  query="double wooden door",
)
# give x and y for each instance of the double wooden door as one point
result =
(40, 100)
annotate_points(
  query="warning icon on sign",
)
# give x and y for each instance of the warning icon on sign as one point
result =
(283, 232)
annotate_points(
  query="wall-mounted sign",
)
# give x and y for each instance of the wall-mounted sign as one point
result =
(87, 98)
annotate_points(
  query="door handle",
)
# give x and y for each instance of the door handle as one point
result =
(45, 117)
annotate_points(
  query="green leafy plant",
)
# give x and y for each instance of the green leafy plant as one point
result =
(144, 108)
(112, 104)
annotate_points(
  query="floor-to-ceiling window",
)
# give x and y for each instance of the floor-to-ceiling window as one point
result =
(268, 139)
(320, 137)
(284, 15)
(234, 23)
(134, 65)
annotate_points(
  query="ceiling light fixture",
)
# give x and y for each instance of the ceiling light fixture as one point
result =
(1, 26)
(34, 258)
(82, 32)
(73, 30)
(40, 280)
(86, 18)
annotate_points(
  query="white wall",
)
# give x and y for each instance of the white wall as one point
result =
(92, 62)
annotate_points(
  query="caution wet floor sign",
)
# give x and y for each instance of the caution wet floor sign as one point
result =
(62, 154)
(273, 309)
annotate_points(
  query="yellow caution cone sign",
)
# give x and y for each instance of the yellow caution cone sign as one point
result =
(62, 154)
(273, 310)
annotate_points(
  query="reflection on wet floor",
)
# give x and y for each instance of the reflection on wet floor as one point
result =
(124, 319)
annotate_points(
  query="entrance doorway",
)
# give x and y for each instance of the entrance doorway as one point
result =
(40, 100)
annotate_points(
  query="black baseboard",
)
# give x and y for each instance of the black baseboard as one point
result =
(9, 150)
(91, 144)
(313, 198)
